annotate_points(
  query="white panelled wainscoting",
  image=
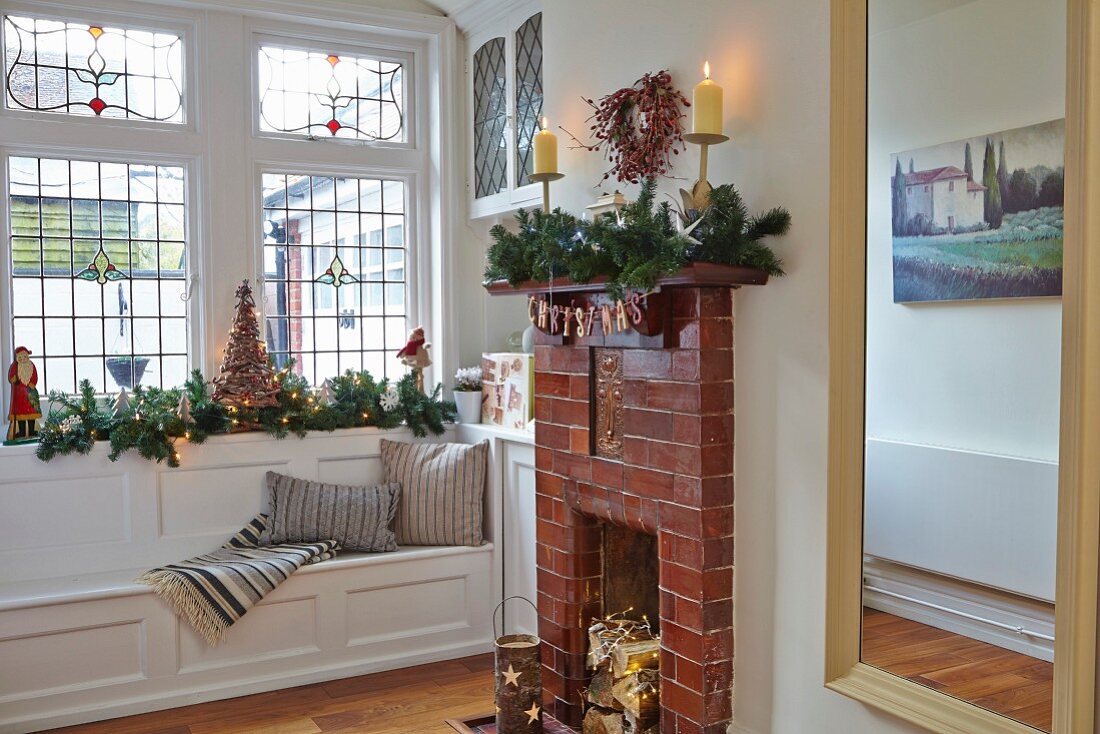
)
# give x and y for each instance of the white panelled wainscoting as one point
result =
(80, 641)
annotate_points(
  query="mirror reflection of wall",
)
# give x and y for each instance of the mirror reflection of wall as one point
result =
(966, 100)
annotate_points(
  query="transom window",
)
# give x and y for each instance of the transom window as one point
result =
(93, 70)
(99, 267)
(335, 271)
(330, 95)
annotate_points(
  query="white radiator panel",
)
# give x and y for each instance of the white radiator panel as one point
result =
(976, 517)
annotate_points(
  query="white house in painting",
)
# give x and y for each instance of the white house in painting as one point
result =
(945, 196)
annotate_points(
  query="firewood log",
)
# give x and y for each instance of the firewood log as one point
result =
(631, 656)
(599, 691)
(638, 693)
(602, 721)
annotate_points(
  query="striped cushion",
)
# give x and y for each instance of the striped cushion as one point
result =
(358, 518)
(442, 486)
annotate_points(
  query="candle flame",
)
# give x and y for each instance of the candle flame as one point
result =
(706, 69)
(543, 122)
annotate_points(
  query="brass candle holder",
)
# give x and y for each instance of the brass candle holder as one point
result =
(545, 179)
(700, 192)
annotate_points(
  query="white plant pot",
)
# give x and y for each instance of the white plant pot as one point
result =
(469, 405)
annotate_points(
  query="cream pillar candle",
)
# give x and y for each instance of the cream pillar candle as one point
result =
(707, 103)
(546, 150)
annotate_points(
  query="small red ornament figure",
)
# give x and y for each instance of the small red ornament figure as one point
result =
(25, 410)
(415, 355)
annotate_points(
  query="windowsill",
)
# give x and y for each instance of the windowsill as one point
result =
(479, 431)
(232, 439)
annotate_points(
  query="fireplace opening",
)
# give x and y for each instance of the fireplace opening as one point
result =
(630, 575)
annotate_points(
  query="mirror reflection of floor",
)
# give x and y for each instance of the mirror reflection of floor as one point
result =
(1006, 682)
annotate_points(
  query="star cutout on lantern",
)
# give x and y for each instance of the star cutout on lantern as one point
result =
(511, 677)
(336, 275)
(101, 269)
(533, 713)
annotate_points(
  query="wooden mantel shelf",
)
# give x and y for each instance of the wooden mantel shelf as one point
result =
(695, 274)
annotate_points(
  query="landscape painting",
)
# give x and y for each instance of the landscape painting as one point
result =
(981, 217)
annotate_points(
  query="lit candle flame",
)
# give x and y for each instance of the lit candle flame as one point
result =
(706, 69)
(543, 122)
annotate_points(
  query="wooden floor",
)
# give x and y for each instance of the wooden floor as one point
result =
(407, 701)
(1015, 685)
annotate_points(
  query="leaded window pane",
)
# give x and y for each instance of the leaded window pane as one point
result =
(490, 119)
(330, 95)
(528, 93)
(334, 265)
(98, 271)
(92, 70)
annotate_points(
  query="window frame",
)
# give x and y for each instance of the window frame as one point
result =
(190, 165)
(313, 42)
(413, 217)
(143, 19)
(220, 150)
(514, 195)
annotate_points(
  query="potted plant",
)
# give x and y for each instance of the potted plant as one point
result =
(467, 391)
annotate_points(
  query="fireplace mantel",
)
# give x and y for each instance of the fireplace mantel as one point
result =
(694, 274)
(636, 431)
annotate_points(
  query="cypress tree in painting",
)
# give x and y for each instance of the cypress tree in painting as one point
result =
(968, 165)
(993, 211)
(1002, 175)
(898, 200)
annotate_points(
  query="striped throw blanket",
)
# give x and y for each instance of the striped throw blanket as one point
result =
(214, 591)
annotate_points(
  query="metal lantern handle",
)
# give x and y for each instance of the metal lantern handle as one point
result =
(498, 609)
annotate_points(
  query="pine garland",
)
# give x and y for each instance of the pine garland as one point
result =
(151, 424)
(634, 248)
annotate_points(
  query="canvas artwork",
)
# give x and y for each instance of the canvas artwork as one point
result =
(981, 217)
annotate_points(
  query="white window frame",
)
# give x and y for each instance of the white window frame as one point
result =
(223, 155)
(515, 194)
(144, 18)
(340, 44)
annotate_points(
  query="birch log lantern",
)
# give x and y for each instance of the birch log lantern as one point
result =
(518, 679)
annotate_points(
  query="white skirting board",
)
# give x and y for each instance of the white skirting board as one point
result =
(978, 517)
(967, 609)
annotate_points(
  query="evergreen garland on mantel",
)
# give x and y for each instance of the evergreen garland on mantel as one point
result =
(150, 421)
(634, 248)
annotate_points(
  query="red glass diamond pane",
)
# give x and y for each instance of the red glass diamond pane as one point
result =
(333, 126)
(97, 105)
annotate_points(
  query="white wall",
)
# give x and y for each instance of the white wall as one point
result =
(980, 375)
(772, 57)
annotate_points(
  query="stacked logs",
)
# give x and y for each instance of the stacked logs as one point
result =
(625, 690)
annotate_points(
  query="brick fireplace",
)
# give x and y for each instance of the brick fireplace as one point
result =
(635, 430)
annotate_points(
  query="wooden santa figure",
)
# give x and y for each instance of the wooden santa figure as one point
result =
(24, 411)
(415, 355)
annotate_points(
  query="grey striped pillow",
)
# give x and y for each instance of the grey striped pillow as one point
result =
(442, 486)
(358, 518)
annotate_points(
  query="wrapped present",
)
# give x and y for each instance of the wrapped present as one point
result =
(507, 387)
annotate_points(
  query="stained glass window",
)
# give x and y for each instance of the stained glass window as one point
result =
(528, 93)
(490, 119)
(98, 266)
(334, 264)
(330, 95)
(92, 70)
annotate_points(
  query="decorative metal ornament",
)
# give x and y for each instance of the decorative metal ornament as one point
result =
(609, 404)
(122, 403)
(184, 409)
(324, 395)
(518, 679)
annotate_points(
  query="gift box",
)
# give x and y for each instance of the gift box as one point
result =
(507, 389)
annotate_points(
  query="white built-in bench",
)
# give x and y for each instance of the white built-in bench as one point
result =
(80, 641)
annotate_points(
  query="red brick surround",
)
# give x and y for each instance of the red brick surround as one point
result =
(675, 481)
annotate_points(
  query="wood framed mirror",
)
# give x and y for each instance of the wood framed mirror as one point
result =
(964, 508)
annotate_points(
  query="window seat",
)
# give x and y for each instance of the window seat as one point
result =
(113, 584)
(81, 641)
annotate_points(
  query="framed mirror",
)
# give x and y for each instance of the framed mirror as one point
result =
(965, 310)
